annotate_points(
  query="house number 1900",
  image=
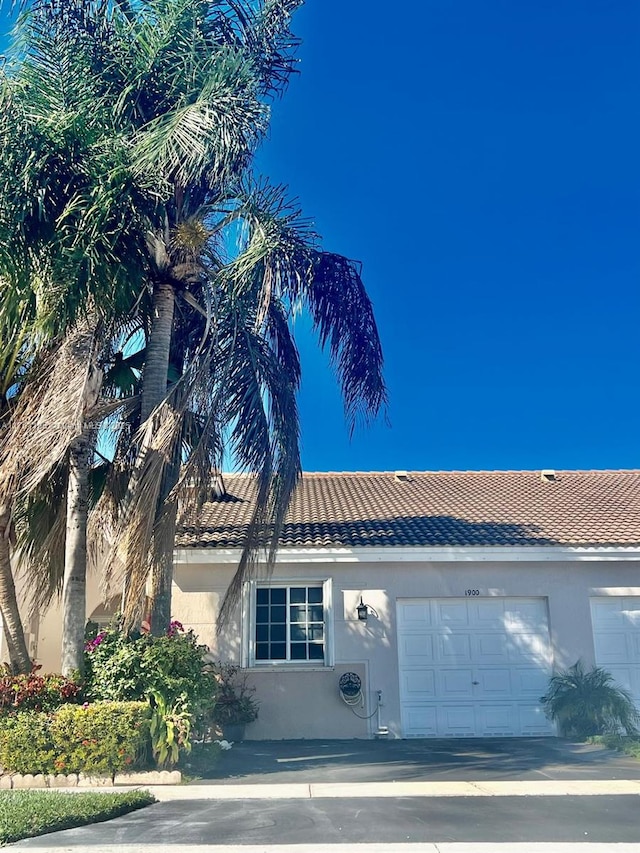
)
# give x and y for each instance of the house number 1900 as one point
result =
(472, 592)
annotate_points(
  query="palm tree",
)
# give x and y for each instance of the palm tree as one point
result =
(72, 260)
(589, 702)
(196, 128)
(174, 96)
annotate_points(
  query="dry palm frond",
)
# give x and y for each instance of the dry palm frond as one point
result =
(50, 412)
(133, 538)
(40, 521)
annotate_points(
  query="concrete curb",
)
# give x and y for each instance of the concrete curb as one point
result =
(423, 847)
(385, 790)
(166, 791)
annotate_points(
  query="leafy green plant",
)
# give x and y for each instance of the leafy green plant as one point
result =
(24, 814)
(35, 692)
(627, 745)
(121, 666)
(102, 738)
(170, 730)
(586, 703)
(235, 702)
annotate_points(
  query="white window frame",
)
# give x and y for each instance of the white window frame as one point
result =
(249, 624)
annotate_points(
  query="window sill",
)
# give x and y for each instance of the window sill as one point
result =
(285, 667)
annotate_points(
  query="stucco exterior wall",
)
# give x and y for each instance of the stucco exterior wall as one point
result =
(44, 634)
(302, 703)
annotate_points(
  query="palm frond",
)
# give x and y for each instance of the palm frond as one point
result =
(274, 45)
(50, 412)
(589, 702)
(40, 520)
(281, 258)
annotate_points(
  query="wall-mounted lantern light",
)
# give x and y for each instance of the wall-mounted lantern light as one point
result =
(363, 611)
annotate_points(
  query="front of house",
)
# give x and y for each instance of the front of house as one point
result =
(475, 587)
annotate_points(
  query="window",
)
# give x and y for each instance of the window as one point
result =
(289, 623)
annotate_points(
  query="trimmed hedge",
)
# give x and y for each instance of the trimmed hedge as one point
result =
(24, 814)
(102, 738)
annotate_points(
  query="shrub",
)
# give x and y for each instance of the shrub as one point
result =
(235, 702)
(34, 692)
(105, 737)
(589, 703)
(24, 814)
(25, 743)
(133, 667)
(100, 739)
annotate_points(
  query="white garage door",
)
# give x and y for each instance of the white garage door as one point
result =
(616, 636)
(473, 667)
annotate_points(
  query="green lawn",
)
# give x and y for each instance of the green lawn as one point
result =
(27, 813)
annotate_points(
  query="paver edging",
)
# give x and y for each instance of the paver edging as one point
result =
(21, 781)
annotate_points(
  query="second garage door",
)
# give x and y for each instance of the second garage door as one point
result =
(616, 634)
(473, 667)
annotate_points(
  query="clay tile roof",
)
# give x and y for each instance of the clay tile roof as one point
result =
(441, 508)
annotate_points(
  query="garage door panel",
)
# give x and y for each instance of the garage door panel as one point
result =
(490, 648)
(491, 664)
(493, 682)
(607, 614)
(415, 616)
(495, 720)
(455, 683)
(418, 649)
(454, 648)
(533, 721)
(526, 648)
(420, 721)
(530, 681)
(525, 616)
(452, 614)
(632, 615)
(457, 720)
(418, 684)
(623, 675)
(612, 648)
(487, 613)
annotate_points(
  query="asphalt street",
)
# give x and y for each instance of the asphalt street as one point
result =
(363, 821)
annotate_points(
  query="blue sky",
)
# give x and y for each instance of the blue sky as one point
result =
(481, 160)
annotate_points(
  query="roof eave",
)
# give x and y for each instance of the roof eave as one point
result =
(396, 554)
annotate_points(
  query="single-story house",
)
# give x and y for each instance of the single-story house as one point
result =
(441, 602)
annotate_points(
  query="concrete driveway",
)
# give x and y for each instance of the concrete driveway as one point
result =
(340, 761)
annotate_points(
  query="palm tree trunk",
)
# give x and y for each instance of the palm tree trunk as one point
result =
(156, 369)
(164, 539)
(75, 556)
(12, 623)
(154, 390)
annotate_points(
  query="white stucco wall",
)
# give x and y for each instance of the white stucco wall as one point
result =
(292, 695)
(304, 702)
(44, 635)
